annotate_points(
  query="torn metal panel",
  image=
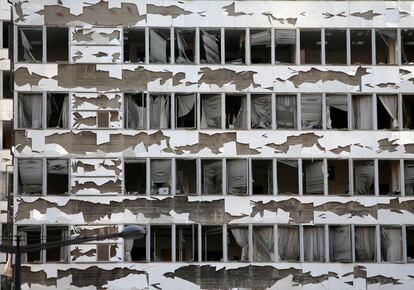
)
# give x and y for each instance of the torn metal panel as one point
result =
(96, 185)
(96, 36)
(96, 167)
(96, 101)
(96, 54)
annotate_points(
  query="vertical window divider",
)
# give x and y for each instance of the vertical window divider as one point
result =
(299, 111)
(249, 111)
(200, 244)
(353, 243)
(323, 57)
(324, 126)
(376, 181)
(224, 177)
(43, 238)
(223, 111)
(173, 176)
(351, 176)
(199, 174)
(250, 244)
(276, 242)
(173, 108)
(350, 111)
(224, 241)
(325, 177)
(348, 46)
(148, 175)
(297, 46)
(44, 44)
(373, 47)
(301, 244)
(273, 100)
(300, 176)
(222, 46)
(399, 47)
(70, 176)
(147, 45)
(44, 176)
(44, 110)
(172, 45)
(404, 242)
(197, 46)
(374, 112)
(400, 112)
(272, 46)
(148, 243)
(326, 228)
(198, 103)
(247, 47)
(148, 98)
(250, 177)
(173, 243)
(402, 177)
(16, 43)
(274, 177)
(378, 243)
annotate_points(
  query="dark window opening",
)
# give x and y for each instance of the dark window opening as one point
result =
(389, 177)
(288, 242)
(134, 45)
(160, 108)
(184, 46)
(186, 240)
(313, 177)
(386, 45)
(135, 250)
(338, 177)
(335, 46)
(340, 244)
(29, 111)
(161, 176)
(285, 46)
(57, 176)
(287, 176)
(136, 111)
(212, 243)
(408, 111)
(160, 46)
(6, 34)
(235, 46)
(210, 111)
(56, 234)
(260, 46)
(311, 111)
(262, 171)
(409, 177)
(410, 244)
(30, 179)
(236, 112)
(30, 236)
(7, 135)
(185, 111)
(160, 243)
(391, 244)
(57, 110)
(135, 177)
(57, 44)
(210, 46)
(387, 112)
(211, 178)
(261, 111)
(286, 112)
(30, 42)
(310, 46)
(361, 47)
(7, 85)
(365, 246)
(407, 46)
(186, 170)
(238, 243)
(363, 177)
(336, 112)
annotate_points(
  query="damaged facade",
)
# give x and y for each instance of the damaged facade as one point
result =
(262, 144)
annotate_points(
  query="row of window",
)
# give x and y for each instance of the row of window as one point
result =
(228, 111)
(235, 46)
(243, 243)
(233, 176)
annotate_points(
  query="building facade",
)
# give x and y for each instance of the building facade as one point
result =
(262, 144)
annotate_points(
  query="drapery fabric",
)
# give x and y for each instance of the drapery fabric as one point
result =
(52, 107)
(364, 244)
(314, 244)
(395, 177)
(311, 111)
(30, 176)
(211, 47)
(160, 174)
(57, 166)
(212, 177)
(337, 102)
(27, 47)
(288, 242)
(182, 45)
(30, 111)
(362, 107)
(363, 177)
(390, 103)
(263, 244)
(23, 242)
(314, 177)
(390, 39)
(136, 112)
(237, 171)
(160, 112)
(185, 103)
(128, 244)
(391, 244)
(241, 235)
(340, 243)
(211, 111)
(409, 177)
(64, 253)
(286, 111)
(261, 112)
(240, 121)
(158, 48)
(260, 38)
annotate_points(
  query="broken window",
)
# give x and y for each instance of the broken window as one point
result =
(57, 176)
(407, 46)
(310, 46)
(365, 246)
(210, 112)
(311, 110)
(186, 240)
(387, 112)
(263, 244)
(186, 111)
(30, 236)
(135, 176)
(30, 44)
(7, 132)
(262, 175)
(134, 45)
(160, 46)
(261, 111)
(409, 239)
(235, 46)
(160, 243)
(57, 110)
(340, 244)
(211, 243)
(260, 46)
(313, 176)
(236, 112)
(160, 111)
(287, 176)
(30, 176)
(135, 249)
(391, 244)
(7, 85)
(136, 111)
(56, 234)
(285, 46)
(409, 177)
(363, 177)
(237, 176)
(336, 112)
(335, 46)
(389, 177)
(161, 176)
(314, 243)
(238, 243)
(361, 47)
(212, 174)
(210, 46)
(30, 111)
(57, 44)
(286, 112)
(7, 34)
(288, 242)
(362, 109)
(386, 46)
(338, 177)
(186, 170)
(184, 46)
(408, 111)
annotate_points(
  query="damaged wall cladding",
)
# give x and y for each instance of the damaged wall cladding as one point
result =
(269, 148)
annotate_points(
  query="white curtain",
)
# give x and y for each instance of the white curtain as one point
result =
(27, 47)
(286, 111)
(136, 112)
(311, 112)
(362, 106)
(211, 47)
(340, 244)
(241, 235)
(263, 244)
(391, 244)
(23, 243)
(409, 177)
(365, 244)
(182, 45)
(64, 249)
(288, 238)
(337, 102)
(53, 107)
(314, 177)
(364, 177)
(160, 112)
(30, 111)
(314, 244)
(211, 111)
(128, 244)
(237, 171)
(158, 48)
(395, 177)
(285, 36)
(30, 176)
(185, 103)
(240, 122)
(260, 38)
(160, 174)
(212, 177)
(390, 103)
(261, 112)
